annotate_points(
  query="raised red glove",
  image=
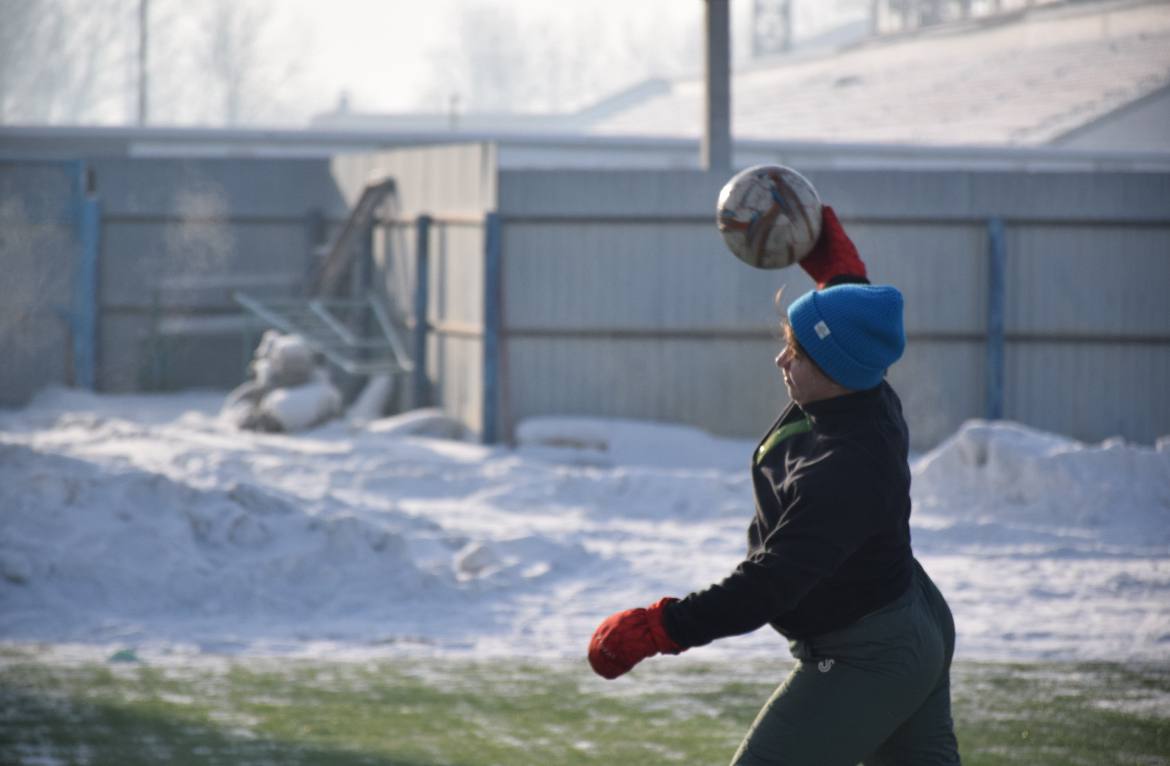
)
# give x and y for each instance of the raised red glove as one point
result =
(834, 254)
(624, 639)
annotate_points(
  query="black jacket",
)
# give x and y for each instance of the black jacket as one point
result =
(830, 541)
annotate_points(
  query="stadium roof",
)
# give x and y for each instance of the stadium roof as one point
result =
(1022, 79)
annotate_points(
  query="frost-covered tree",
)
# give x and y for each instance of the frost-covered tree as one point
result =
(557, 59)
(229, 49)
(61, 61)
(76, 61)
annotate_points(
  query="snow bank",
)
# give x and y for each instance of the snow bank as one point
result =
(89, 553)
(429, 421)
(1004, 484)
(1047, 545)
(615, 442)
(148, 521)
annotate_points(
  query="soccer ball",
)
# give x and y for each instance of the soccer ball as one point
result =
(769, 215)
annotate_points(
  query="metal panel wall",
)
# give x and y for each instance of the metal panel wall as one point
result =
(617, 296)
(941, 269)
(620, 299)
(1088, 328)
(730, 386)
(655, 274)
(177, 235)
(456, 186)
(1091, 390)
(1098, 280)
(38, 248)
(456, 320)
(656, 321)
(459, 178)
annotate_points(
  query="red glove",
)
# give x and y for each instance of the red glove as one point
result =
(626, 638)
(834, 254)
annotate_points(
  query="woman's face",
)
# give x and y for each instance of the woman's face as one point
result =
(805, 382)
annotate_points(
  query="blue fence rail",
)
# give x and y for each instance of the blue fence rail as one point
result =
(492, 327)
(86, 274)
(996, 303)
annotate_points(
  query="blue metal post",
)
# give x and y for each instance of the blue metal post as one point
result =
(996, 286)
(491, 328)
(87, 213)
(422, 271)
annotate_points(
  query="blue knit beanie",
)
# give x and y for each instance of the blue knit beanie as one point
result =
(853, 332)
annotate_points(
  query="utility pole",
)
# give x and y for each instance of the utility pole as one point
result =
(715, 150)
(143, 79)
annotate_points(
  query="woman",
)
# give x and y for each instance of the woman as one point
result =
(829, 563)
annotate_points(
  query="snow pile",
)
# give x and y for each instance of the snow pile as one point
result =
(613, 442)
(1029, 491)
(152, 522)
(1047, 543)
(134, 546)
(429, 421)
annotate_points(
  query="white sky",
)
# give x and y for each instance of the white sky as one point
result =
(284, 61)
(381, 52)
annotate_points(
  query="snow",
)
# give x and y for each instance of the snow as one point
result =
(150, 523)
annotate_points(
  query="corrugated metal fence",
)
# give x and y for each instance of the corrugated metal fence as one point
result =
(1037, 297)
(118, 272)
(49, 245)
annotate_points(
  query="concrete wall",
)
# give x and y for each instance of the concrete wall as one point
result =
(621, 299)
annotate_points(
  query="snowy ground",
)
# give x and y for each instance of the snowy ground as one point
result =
(149, 523)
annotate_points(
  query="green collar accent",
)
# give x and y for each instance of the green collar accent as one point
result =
(802, 426)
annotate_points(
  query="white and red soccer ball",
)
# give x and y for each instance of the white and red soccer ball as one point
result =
(769, 215)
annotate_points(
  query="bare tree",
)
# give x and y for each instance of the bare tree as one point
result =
(59, 61)
(244, 64)
(569, 56)
(483, 66)
(75, 61)
(20, 42)
(230, 55)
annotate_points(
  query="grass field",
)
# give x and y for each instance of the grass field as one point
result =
(463, 713)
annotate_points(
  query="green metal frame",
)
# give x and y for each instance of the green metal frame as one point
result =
(323, 325)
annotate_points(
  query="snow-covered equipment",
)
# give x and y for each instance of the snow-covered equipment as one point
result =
(286, 390)
(282, 360)
(360, 334)
(300, 407)
(357, 335)
(769, 215)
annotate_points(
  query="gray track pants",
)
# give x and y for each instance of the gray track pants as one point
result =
(876, 692)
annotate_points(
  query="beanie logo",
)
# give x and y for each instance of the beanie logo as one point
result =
(822, 329)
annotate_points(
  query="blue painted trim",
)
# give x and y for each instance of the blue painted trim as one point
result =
(996, 287)
(87, 217)
(422, 271)
(491, 328)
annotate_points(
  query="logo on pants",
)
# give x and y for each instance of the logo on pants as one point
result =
(825, 665)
